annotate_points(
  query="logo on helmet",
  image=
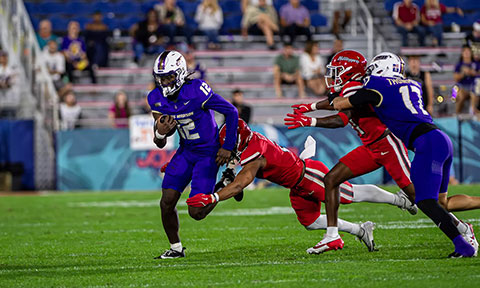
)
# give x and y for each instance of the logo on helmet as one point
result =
(343, 58)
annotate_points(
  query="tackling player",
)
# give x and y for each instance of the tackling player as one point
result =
(187, 105)
(380, 147)
(262, 158)
(398, 103)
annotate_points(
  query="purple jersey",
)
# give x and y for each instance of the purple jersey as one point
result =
(401, 105)
(195, 119)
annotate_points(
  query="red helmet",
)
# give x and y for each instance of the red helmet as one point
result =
(244, 134)
(346, 65)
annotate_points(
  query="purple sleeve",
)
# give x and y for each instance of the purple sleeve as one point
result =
(65, 43)
(217, 103)
(306, 14)
(458, 67)
(283, 11)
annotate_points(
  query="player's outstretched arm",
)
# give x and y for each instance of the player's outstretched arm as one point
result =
(243, 179)
(335, 121)
(309, 107)
(361, 97)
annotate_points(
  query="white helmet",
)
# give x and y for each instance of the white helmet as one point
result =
(168, 64)
(387, 64)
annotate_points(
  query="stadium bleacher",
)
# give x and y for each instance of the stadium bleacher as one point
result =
(241, 64)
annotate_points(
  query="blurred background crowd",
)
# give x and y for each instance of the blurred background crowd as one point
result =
(99, 53)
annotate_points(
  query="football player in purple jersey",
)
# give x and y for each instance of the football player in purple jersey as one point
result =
(188, 106)
(398, 103)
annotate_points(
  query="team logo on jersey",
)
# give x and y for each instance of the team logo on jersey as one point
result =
(343, 58)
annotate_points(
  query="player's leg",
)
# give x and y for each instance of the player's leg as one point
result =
(355, 163)
(374, 194)
(427, 178)
(307, 209)
(177, 176)
(465, 229)
(203, 181)
(459, 202)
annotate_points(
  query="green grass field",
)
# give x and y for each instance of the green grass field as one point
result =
(110, 239)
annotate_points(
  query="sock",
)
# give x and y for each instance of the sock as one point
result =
(439, 216)
(462, 246)
(321, 224)
(176, 246)
(332, 232)
(462, 227)
(373, 194)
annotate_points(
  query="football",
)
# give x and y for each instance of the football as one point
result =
(162, 119)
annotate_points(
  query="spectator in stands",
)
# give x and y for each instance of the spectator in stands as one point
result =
(244, 110)
(9, 93)
(311, 66)
(173, 21)
(340, 7)
(147, 36)
(287, 71)
(74, 49)
(465, 72)
(431, 13)
(45, 33)
(295, 20)
(96, 36)
(423, 77)
(245, 3)
(337, 47)
(120, 110)
(407, 18)
(195, 69)
(70, 112)
(209, 17)
(260, 19)
(56, 65)
(473, 40)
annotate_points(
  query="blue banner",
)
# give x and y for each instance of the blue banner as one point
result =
(16, 148)
(103, 160)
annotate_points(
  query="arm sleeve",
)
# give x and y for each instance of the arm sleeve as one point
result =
(365, 96)
(217, 103)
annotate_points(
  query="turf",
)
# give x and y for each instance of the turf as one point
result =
(110, 239)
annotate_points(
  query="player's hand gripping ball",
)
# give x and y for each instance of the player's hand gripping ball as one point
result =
(166, 125)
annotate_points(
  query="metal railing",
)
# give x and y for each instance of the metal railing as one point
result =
(38, 94)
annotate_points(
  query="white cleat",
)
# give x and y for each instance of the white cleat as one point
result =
(327, 244)
(469, 236)
(366, 232)
(405, 203)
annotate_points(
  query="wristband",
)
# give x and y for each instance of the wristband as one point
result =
(314, 122)
(159, 136)
(216, 197)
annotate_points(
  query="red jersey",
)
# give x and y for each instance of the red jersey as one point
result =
(406, 14)
(364, 120)
(283, 166)
(434, 13)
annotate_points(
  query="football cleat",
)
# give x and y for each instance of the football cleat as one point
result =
(455, 255)
(366, 232)
(405, 203)
(469, 236)
(327, 244)
(170, 254)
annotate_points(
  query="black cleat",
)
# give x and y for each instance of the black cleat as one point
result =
(455, 255)
(170, 254)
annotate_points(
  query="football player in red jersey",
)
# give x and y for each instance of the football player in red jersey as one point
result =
(380, 147)
(262, 158)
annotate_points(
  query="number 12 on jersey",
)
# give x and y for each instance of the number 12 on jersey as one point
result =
(408, 95)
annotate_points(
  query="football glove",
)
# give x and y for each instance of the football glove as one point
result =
(299, 120)
(304, 108)
(202, 200)
(228, 176)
